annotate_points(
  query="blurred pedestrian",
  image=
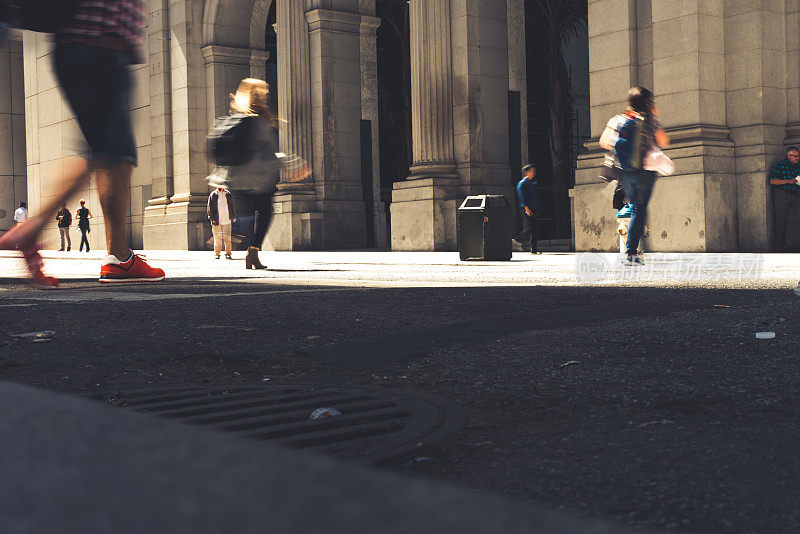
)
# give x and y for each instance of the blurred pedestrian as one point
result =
(21, 213)
(221, 213)
(785, 181)
(83, 214)
(64, 218)
(631, 135)
(528, 198)
(94, 48)
(255, 179)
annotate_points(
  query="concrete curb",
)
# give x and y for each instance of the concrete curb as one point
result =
(73, 465)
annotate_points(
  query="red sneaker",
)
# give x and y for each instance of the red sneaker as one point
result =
(135, 269)
(35, 263)
(18, 238)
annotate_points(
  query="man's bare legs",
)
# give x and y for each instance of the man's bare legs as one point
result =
(114, 189)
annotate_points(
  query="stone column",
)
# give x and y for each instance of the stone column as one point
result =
(695, 210)
(419, 212)
(162, 188)
(13, 184)
(182, 224)
(431, 89)
(296, 224)
(334, 44)
(619, 58)
(756, 74)
(294, 82)
(517, 69)
(480, 99)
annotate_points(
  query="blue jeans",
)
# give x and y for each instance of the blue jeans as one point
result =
(638, 186)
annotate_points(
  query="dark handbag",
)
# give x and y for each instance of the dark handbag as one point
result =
(619, 198)
(45, 16)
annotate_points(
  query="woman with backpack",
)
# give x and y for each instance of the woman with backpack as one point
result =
(630, 136)
(244, 147)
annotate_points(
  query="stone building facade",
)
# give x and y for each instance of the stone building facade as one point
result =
(466, 56)
(726, 76)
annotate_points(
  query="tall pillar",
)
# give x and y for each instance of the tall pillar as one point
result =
(481, 81)
(518, 74)
(294, 80)
(181, 223)
(296, 225)
(162, 188)
(431, 89)
(689, 84)
(423, 216)
(756, 74)
(620, 56)
(334, 44)
(13, 184)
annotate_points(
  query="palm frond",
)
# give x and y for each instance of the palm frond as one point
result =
(564, 18)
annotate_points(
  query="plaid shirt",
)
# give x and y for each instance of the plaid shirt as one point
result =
(784, 170)
(118, 18)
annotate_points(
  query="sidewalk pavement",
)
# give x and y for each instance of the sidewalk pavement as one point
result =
(441, 269)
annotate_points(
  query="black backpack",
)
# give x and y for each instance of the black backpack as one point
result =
(230, 139)
(45, 16)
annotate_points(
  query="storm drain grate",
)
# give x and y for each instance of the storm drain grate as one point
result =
(373, 425)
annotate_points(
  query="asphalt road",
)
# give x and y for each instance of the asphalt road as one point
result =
(643, 405)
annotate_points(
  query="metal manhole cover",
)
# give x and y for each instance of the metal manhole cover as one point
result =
(373, 426)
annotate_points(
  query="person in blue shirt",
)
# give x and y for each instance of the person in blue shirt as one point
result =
(528, 196)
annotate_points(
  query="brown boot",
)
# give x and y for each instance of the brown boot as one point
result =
(252, 261)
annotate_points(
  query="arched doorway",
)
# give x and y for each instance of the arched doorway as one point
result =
(233, 44)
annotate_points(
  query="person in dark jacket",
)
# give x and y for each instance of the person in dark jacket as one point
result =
(64, 218)
(84, 215)
(528, 196)
(221, 213)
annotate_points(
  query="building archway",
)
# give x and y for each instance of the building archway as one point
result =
(233, 45)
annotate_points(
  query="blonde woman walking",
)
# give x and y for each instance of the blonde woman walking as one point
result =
(256, 179)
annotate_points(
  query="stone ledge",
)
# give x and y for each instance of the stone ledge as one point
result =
(337, 21)
(229, 55)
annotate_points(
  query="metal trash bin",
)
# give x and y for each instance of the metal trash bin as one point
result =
(485, 228)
